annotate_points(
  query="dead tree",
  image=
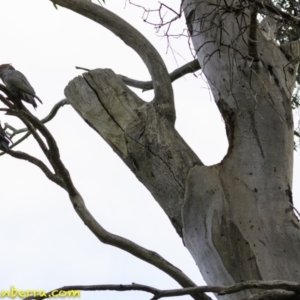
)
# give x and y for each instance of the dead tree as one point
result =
(236, 218)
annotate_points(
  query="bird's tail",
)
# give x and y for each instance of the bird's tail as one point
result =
(35, 96)
(28, 98)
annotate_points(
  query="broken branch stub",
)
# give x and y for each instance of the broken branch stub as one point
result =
(147, 143)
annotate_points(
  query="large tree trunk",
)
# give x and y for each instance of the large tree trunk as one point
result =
(236, 218)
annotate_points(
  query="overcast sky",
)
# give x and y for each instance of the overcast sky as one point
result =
(44, 245)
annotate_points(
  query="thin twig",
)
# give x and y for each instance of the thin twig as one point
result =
(276, 10)
(38, 163)
(31, 129)
(45, 120)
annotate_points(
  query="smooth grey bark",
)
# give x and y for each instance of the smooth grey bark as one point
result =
(238, 220)
(236, 217)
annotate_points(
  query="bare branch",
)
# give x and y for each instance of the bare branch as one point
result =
(31, 129)
(54, 111)
(273, 295)
(63, 179)
(190, 67)
(265, 285)
(54, 156)
(276, 10)
(45, 120)
(159, 11)
(274, 287)
(164, 98)
(19, 141)
(149, 256)
(102, 287)
(164, 22)
(39, 164)
(84, 69)
(48, 118)
(51, 151)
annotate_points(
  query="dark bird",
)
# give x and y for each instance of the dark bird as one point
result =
(4, 140)
(18, 84)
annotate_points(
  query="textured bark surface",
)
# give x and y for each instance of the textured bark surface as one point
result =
(148, 144)
(236, 217)
(238, 220)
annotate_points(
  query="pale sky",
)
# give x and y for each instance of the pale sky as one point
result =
(44, 244)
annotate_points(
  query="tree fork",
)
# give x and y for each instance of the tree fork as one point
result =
(237, 218)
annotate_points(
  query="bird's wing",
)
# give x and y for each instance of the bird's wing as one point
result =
(19, 81)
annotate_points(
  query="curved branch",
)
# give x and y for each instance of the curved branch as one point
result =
(50, 150)
(149, 256)
(45, 120)
(164, 99)
(63, 179)
(190, 67)
(54, 110)
(48, 118)
(31, 129)
(105, 236)
(39, 164)
(19, 141)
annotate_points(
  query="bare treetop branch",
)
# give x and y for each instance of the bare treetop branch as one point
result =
(164, 98)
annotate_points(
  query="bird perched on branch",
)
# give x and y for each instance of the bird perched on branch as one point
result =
(18, 84)
(4, 140)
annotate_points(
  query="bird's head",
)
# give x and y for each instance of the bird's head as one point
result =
(5, 67)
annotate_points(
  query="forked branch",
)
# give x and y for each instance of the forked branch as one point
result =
(62, 177)
(190, 67)
(164, 99)
(25, 130)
